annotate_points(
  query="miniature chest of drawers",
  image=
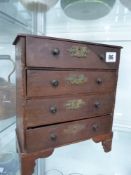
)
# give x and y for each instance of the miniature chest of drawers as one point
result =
(65, 94)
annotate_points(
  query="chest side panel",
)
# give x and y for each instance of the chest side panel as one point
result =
(20, 91)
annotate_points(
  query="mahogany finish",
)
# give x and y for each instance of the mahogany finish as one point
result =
(39, 82)
(65, 133)
(38, 111)
(65, 94)
(42, 55)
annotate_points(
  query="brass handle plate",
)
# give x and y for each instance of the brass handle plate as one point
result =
(75, 104)
(76, 128)
(78, 51)
(76, 79)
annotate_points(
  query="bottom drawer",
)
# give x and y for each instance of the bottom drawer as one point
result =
(56, 135)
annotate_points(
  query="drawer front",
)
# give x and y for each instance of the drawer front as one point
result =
(64, 54)
(49, 111)
(48, 83)
(61, 134)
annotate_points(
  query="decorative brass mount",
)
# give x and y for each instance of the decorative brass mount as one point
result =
(74, 104)
(77, 79)
(80, 52)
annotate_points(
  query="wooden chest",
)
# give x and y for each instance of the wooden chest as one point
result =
(65, 94)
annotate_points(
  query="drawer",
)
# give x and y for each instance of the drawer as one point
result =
(52, 136)
(64, 54)
(57, 110)
(48, 83)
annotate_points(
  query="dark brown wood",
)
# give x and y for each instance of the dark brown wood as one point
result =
(65, 94)
(63, 39)
(66, 133)
(42, 51)
(38, 111)
(39, 82)
(28, 161)
(20, 91)
(106, 140)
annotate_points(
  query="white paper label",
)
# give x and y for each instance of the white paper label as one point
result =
(110, 57)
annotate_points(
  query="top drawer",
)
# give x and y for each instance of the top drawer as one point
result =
(47, 52)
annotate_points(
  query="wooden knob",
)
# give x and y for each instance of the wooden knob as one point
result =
(97, 104)
(55, 83)
(53, 109)
(53, 137)
(99, 81)
(95, 127)
(56, 51)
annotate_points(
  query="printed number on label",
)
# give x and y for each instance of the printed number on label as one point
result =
(110, 57)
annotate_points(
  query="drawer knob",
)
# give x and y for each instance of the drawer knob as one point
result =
(94, 127)
(53, 109)
(55, 83)
(56, 51)
(97, 104)
(99, 81)
(53, 137)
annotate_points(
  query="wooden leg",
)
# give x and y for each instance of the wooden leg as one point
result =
(106, 140)
(27, 164)
(27, 160)
(107, 144)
